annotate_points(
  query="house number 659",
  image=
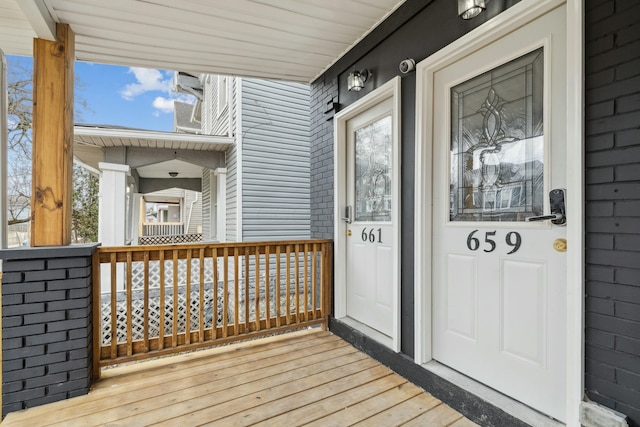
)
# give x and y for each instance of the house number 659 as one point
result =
(512, 239)
(372, 236)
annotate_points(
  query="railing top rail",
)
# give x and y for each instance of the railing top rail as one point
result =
(192, 246)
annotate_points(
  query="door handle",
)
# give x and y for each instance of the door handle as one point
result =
(347, 214)
(558, 214)
(552, 217)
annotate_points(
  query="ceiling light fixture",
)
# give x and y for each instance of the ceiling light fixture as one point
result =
(469, 9)
(173, 174)
(356, 79)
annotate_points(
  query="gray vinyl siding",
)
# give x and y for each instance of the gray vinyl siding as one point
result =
(206, 204)
(215, 121)
(275, 160)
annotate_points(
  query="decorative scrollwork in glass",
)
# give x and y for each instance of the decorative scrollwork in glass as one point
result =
(497, 143)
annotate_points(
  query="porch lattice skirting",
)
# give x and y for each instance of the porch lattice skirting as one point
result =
(170, 239)
(153, 324)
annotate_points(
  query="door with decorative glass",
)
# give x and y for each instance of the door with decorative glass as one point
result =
(370, 256)
(498, 157)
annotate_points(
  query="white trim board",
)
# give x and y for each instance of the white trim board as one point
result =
(511, 19)
(391, 89)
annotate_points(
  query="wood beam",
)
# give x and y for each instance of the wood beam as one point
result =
(53, 80)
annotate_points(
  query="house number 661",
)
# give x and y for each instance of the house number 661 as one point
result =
(372, 236)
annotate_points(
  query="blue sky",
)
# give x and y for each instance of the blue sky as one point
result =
(123, 96)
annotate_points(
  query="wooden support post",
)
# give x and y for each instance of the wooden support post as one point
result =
(53, 79)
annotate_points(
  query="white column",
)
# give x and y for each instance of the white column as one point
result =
(112, 215)
(135, 219)
(113, 199)
(221, 204)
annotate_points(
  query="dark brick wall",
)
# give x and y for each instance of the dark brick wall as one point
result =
(323, 92)
(612, 157)
(46, 325)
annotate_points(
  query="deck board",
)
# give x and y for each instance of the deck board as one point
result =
(308, 377)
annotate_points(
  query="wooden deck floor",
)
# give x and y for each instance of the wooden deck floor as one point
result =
(309, 378)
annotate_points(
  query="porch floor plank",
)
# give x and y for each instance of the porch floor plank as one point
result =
(354, 413)
(308, 377)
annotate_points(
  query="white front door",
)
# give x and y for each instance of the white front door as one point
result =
(499, 281)
(367, 215)
(370, 231)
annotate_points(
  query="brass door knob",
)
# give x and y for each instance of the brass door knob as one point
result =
(560, 245)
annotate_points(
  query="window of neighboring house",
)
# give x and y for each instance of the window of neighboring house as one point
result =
(223, 90)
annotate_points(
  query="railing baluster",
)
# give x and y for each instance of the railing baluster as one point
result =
(246, 289)
(236, 295)
(174, 338)
(187, 303)
(225, 290)
(297, 280)
(306, 281)
(114, 307)
(161, 303)
(267, 286)
(201, 298)
(314, 283)
(146, 301)
(214, 302)
(277, 287)
(129, 292)
(257, 288)
(288, 283)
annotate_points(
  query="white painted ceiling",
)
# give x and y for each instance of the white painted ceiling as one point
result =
(284, 39)
(161, 170)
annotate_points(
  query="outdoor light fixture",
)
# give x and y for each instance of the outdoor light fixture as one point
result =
(173, 174)
(469, 9)
(356, 79)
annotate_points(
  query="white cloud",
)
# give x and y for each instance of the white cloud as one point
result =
(147, 80)
(163, 104)
(152, 80)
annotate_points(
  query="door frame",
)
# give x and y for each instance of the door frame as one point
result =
(391, 89)
(513, 18)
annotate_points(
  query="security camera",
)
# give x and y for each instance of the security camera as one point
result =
(407, 66)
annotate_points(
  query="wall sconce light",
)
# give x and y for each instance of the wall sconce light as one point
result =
(173, 174)
(469, 9)
(356, 79)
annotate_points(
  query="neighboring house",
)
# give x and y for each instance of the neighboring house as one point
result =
(266, 196)
(242, 147)
(170, 216)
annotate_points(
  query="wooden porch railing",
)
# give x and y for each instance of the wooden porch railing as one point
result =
(198, 295)
(162, 228)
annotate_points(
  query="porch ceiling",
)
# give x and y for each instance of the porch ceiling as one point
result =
(90, 142)
(283, 39)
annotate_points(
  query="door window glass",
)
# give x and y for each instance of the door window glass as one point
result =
(373, 171)
(497, 145)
